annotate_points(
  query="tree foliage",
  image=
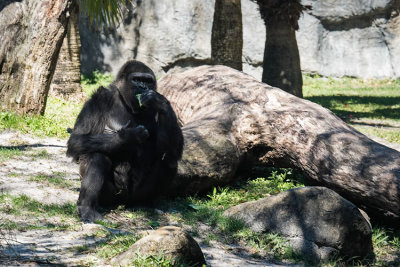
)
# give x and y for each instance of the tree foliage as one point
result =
(109, 12)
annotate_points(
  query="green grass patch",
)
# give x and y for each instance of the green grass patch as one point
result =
(91, 82)
(23, 205)
(278, 180)
(59, 115)
(41, 154)
(356, 100)
(8, 225)
(390, 135)
(56, 178)
(7, 153)
(115, 244)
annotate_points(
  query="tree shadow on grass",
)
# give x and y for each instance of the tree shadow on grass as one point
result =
(26, 147)
(384, 106)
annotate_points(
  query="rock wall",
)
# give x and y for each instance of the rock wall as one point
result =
(354, 38)
(336, 38)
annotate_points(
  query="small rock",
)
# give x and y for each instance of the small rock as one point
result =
(170, 241)
(316, 221)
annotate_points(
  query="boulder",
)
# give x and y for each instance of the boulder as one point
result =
(170, 241)
(316, 221)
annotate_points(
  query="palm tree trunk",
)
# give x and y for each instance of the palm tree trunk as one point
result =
(281, 66)
(227, 34)
(66, 81)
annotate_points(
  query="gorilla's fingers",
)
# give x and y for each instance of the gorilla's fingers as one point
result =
(137, 134)
(153, 99)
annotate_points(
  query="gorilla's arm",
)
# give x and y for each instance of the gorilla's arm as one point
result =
(171, 136)
(108, 143)
(88, 135)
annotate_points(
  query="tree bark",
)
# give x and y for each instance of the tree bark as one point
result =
(227, 34)
(66, 82)
(281, 65)
(31, 33)
(230, 120)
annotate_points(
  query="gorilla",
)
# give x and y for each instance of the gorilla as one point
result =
(127, 142)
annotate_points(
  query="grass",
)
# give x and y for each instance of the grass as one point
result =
(9, 153)
(28, 211)
(361, 103)
(57, 179)
(91, 82)
(23, 204)
(60, 114)
(115, 245)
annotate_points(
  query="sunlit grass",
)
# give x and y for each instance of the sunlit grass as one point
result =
(360, 103)
(20, 205)
(9, 153)
(56, 179)
(91, 82)
(60, 114)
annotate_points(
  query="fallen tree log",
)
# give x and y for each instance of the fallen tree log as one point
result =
(229, 119)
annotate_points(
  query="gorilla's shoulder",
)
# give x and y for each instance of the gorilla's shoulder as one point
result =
(102, 93)
(103, 96)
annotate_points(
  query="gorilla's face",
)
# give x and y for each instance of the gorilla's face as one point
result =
(141, 82)
(133, 80)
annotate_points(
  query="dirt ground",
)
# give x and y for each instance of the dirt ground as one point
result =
(43, 246)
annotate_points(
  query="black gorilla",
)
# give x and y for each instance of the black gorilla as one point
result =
(127, 141)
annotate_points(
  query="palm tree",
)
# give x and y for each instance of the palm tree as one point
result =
(29, 53)
(281, 65)
(66, 82)
(227, 34)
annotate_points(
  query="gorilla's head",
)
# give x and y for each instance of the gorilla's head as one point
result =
(133, 79)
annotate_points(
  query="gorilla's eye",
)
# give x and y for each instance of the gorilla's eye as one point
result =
(142, 78)
(146, 80)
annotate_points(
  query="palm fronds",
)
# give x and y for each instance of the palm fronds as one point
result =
(282, 10)
(108, 12)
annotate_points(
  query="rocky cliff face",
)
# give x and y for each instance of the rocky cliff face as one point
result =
(355, 38)
(336, 38)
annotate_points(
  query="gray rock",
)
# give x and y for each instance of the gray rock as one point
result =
(163, 34)
(170, 241)
(350, 38)
(339, 10)
(316, 221)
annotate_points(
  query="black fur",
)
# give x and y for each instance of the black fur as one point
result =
(127, 149)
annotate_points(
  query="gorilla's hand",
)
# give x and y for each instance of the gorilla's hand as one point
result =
(152, 99)
(134, 134)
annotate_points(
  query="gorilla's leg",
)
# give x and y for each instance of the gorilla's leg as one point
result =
(95, 169)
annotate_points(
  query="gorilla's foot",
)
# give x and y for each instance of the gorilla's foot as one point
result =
(88, 214)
